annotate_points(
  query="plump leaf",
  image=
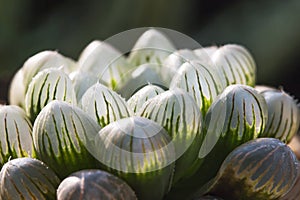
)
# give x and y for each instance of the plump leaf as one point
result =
(105, 62)
(283, 115)
(235, 65)
(139, 151)
(147, 92)
(177, 112)
(27, 178)
(264, 168)
(15, 134)
(63, 136)
(104, 105)
(94, 184)
(201, 82)
(48, 85)
(151, 47)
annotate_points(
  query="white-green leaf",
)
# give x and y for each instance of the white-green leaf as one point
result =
(16, 93)
(283, 115)
(235, 64)
(44, 60)
(177, 112)
(244, 118)
(27, 178)
(105, 62)
(246, 112)
(48, 85)
(137, 100)
(144, 74)
(82, 81)
(151, 47)
(139, 151)
(63, 136)
(173, 62)
(104, 105)
(239, 114)
(202, 82)
(15, 134)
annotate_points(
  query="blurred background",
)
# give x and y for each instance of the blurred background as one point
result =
(270, 29)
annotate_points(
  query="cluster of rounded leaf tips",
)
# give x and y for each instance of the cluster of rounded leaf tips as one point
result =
(158, 120)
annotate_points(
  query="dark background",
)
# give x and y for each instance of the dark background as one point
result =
(270, 29)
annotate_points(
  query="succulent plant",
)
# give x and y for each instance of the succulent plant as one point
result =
(177, 112)
(104, 105)
(82, 81)
(235, 64)
(94, 184)
(264, 168)
(144, 74)
(139, 151)
(171, 122)
(44, 60)
(147, 92)
(173, 62)
(283, 115)
(200, 81)
(151, 47)
(105, 62)
(15, 134)
(48, 85)
(27, 178)
(63, 136)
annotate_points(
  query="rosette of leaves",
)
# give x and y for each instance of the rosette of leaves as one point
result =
(148, 73)
(139, 151)
(82, 81)
(44, 60)
(63, 136)
(283, 115)
(147, 92)
(27, 178)
(48, 85)
(104, 105)
(173, 62)
(15, 134)
(235, 65)
(105, 62)
(238, 115)
(264, 168)
(200, 81)
(177, 112)
(94, 184)
(152, 46)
